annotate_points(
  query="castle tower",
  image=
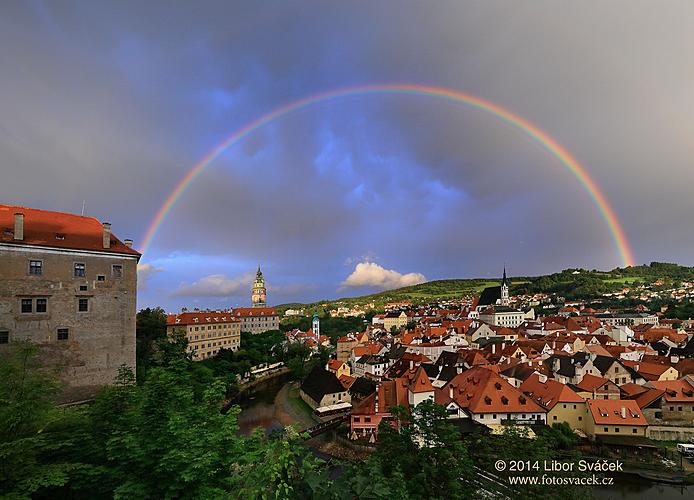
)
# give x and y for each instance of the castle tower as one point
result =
(315, 326)
(259, 293)
(505, 301)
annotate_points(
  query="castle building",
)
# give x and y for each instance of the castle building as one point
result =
(259, 292)
(207, 332)
(257, 319)
(68, 285)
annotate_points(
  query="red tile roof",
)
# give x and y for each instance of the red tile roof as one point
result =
(483, 391)
(346, 381)
(335, 364)
(251, 312)
(200, 318)
(591, 382)
(616, 412)
(648, 396)
(676, 391)
(549, 393)
(420, 382)
(58, 230)
(649, 371)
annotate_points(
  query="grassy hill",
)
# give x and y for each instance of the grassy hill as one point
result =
(571, 283)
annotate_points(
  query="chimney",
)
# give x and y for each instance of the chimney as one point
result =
(623, 412)
(19, 226)
(494, 348)
(450, 391)
(107, 235)
(411, 364)
(128, 243)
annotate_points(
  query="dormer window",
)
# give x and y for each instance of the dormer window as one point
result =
(60, 236)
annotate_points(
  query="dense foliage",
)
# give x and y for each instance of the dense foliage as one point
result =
(330, 327)
(164, 438)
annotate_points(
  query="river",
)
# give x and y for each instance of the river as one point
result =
(258, 407)
(641, 490)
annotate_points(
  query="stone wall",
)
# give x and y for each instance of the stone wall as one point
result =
(99, 340)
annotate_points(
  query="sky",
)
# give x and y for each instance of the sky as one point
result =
(112, 103)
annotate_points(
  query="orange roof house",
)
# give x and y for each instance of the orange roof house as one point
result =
(549, 393)
(620, 412)
(488, 397)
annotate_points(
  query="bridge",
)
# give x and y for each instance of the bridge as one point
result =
(322, 427)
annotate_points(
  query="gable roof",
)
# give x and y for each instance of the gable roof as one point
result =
(676, 391)
(321, 382)
(591, 382)
(648, 397)
(420, 382)
(483, 391)
(616, 412)
(58, 230)
(549, 393)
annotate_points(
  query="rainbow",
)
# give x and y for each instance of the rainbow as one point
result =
(543, 139)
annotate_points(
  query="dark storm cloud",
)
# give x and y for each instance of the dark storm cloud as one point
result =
(112, 102)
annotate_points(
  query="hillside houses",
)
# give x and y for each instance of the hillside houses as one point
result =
(596, 371)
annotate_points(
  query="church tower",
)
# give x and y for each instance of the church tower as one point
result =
(259, 293)
(315, 326)
(505, 301)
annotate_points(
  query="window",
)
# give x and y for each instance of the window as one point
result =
(27, 306)
(83, 288)
(63, 333)
(117, 271)
(4, 337)
(605, 429)
(100, 277)
(616, 429)
(679, 408)
(41, 305)
(554, 417)
(36, 267)
(83, 305)
(356, 419)
(80, 270)
(580, 418)
(633, 431)
(367, 419)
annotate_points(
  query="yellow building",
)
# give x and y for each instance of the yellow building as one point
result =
(339, 368)
(621, 417)
(394, 319)
(561, 402)
(207, 332)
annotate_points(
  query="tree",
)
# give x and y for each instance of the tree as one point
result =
(425, 454)
(151, 327)
(27, 397)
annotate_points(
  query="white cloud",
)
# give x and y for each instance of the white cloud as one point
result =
(217, 285)
(372, 275)
(144, 271)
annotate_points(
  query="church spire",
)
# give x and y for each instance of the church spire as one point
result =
(505, 299)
